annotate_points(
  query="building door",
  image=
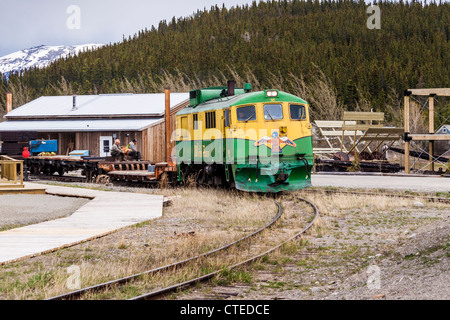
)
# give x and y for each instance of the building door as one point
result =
(105, 146)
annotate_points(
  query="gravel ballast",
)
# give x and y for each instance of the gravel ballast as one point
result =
(25, 209)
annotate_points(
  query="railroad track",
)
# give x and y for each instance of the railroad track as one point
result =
(103, 286)
(174, 266)
(183, 285)
(36, 178)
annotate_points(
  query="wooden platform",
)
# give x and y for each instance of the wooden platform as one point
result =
(7, 187)
(104, 214)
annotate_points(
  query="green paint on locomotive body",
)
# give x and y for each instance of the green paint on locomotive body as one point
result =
(254, 168)
(241, 99)
(265, 175)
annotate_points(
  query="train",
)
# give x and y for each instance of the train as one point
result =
(253, 141)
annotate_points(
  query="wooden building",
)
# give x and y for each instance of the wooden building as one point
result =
(93, 122)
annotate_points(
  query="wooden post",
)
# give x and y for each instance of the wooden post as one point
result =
(431, 129)
(59, 143)
(8, 103)
(406, 126)
(168, 132)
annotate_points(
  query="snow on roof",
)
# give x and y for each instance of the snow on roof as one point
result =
(98, 105)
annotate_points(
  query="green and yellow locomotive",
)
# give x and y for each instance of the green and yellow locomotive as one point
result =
(253, 141)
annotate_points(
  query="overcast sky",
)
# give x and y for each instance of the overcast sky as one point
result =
(29, 23)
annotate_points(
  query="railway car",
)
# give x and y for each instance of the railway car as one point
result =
(252, 141)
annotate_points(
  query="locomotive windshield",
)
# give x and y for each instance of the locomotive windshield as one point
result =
(246, 113)
(273, 112)
(298, 112)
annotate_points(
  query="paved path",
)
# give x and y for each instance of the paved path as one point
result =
(105, 213)
(403, 182)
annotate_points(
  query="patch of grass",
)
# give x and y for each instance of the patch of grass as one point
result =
(38, 281)
(11, 226)
(274, 285)
(227, 276)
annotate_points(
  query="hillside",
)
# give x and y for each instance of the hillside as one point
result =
(322, 51)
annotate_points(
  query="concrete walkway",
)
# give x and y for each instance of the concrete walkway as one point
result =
(105, 213)
(401, 182)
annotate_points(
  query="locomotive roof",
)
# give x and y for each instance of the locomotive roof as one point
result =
(246, 98)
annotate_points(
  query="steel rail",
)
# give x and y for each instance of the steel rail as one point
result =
(36, 178)
(189, 283)
(152, 295)
(109, 284)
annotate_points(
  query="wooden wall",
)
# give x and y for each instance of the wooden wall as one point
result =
(66, 141)
(154, 138)
(91, 140)
(151, 141)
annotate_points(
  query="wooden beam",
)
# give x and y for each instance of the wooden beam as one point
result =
(359, 127)
(380, 138)
(8, 102)
(385, 130)
(340, 132)
(431, 129)
(406, 126)
(167, 123)
(426, 92)
(364, 116)
(429, 137)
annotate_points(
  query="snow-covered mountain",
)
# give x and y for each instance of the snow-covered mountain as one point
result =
(40, 56)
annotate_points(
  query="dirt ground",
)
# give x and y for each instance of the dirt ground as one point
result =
(362, 248)
(396, 253)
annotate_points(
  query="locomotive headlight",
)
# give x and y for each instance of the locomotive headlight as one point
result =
(272, 93)
(283, 129)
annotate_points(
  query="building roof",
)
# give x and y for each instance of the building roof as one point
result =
(104, 105)
(78, 125)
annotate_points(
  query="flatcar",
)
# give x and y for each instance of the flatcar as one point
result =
(252, 141)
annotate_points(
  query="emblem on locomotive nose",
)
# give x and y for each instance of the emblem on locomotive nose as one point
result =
(275, 142)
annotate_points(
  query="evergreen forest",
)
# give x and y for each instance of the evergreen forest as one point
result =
(323, 51)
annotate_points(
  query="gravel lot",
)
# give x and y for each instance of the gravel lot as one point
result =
(363, 249)
(25, 209)
(360, 252)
